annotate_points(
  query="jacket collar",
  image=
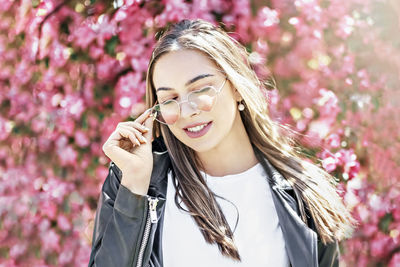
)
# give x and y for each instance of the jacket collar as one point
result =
(275, 179)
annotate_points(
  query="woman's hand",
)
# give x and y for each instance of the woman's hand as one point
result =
(129, 147)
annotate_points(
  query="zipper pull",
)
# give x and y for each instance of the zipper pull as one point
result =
(153, 212)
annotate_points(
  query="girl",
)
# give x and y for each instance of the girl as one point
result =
(204, 177)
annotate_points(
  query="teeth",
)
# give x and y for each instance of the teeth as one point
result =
(197, 128)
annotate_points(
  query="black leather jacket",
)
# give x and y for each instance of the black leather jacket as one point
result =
(128, 227)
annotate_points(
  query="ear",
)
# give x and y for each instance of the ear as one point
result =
(237, 96)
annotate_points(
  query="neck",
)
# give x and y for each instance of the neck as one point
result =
(234, 155)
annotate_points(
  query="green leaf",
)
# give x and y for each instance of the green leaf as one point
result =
(111, 44)
(385, 222)
(35, 3)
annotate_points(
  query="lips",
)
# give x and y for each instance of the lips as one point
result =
(196, 130)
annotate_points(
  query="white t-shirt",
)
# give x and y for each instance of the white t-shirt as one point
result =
(258, 235)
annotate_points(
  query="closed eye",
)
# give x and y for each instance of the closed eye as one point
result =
(167, 101)
(205, 89)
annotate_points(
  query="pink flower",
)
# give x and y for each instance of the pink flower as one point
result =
(379, 245)
(328, 104)
(333, 140)
(65, 124)
(81, 138)
(84, 35)
(370, 229)
(63, 223)
(107, 67)
(95, 52)
(395, 261)
(266, 22)
(50, 241)
(5, 128)
(329, 161)
(348, 159)
(18, 249)
(66, 256)
(49, 209)
(68, 155)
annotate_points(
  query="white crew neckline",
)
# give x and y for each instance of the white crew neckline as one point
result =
(254, 170)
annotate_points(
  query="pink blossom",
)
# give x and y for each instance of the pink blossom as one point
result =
(5, 128)
(266, 21)
(67, 155)
(379, 245)
(333, 140)
(107, 67)
(327, 104)
(84, 35)
(50, 241)
(49, 209)
(18, 249)
(329, 161)
(81, 138)
(349, 161)
(95, 52)
(395, 261)
(65, 257)
(63, 223)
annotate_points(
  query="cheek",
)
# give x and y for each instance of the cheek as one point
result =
(170, 118)
(178, 133)
(206, 103)
(225, 110)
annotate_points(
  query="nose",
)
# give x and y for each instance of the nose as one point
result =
(188, 109)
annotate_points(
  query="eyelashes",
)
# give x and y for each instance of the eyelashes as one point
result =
(172, 97)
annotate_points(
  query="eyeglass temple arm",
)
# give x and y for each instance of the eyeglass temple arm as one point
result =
(219, 89)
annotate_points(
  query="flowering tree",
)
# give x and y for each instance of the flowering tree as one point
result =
(71, 70)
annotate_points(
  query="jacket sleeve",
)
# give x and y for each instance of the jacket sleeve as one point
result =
(328, 255)
(120, 218)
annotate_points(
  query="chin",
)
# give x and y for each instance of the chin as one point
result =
(199, 146)
(202, 144)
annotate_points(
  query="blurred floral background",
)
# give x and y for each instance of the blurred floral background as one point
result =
(71, 70)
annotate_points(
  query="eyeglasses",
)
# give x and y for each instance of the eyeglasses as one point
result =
(203, 99)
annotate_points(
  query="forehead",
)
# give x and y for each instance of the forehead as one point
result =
(175, 68)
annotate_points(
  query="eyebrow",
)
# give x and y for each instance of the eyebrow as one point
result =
(195, 79)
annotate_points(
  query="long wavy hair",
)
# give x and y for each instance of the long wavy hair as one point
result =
(311, 184)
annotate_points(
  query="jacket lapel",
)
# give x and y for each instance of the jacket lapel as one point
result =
(300, 240)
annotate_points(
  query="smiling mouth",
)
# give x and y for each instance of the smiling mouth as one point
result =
(198, 130)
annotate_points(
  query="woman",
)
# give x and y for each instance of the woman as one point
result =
(204, 177)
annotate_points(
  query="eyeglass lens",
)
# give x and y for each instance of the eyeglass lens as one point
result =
(169, 111)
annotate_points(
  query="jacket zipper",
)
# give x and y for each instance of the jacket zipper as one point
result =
(151, 218)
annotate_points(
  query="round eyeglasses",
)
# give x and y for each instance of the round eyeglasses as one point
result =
(203, 99)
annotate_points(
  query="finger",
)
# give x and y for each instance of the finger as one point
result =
(143, 116)
(128, 134)
(134, 124)
(149, 122)
(138, 134)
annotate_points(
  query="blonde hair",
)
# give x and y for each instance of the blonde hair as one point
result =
(311, 184)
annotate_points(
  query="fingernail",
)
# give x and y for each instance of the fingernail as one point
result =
(137, 142)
